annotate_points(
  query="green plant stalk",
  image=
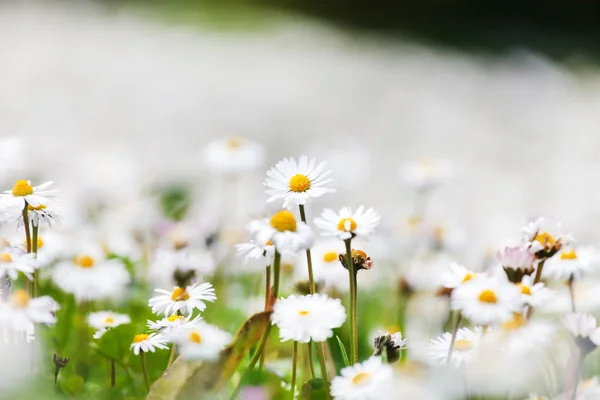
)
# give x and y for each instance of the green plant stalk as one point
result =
(27, 237)
(324, 374)
(172, 355)
(538, 277)
(113, 373)
(311, 278)
(34, 245)
(145, 370)
(310, 360)
(294, 367)
(451, 348)
(267, 298)
(353, 299)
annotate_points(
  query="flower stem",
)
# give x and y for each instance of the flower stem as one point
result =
(113, 374)
(572, 292)
(324, 374)
(34, 245)
(145, 370)
(311, 278)
(538, 277)
(261, 365)
(172, 355)
(294, 367)
(353, 298)
(310, 360)
(458, 320)
(26, 224)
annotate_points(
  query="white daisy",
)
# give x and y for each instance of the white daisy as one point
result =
(200, 341)
(347, 224)
(571, 262)
(14, 261)
(534, 295)
(367, 381)
(426, 173)
(167, 324)
(464, 350)
(544, 238)
(326, 264)
(23, 193)
(516, 261)
(296, 183)
(45, 213)
(182, 300)
(487, 300)
(20, 310)
(105, 320)
(147, 343)
(90, 276)
(284, 231)
(233, 155)
(582, 326)
(306, 318)
(457, 276)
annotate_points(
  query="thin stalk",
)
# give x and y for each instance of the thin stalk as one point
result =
(310, 360)
(113, 373)
(172, 355)
(538, 277)
(353, 298)
(34, 245)
(311, 278)
(26, 224)
(572, 292)
(294, 367)
(261, 365)
(458, 320)
(145, 370)
(324, 374)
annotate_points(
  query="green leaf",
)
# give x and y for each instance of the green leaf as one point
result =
(343, 350)
(314, 389)
(115, 343)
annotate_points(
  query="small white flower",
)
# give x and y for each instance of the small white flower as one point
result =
(105, 320)
(582, 326)
(14, 260)
(457, 276)
(463, 352)
(487, 300)
(571, 262)
(175, 321)
(283, 231)
(147, 343)
(545, 239)
(517, 258)
(425, 174)
(44, 213)
(233, 155)
(367, 381)
(306, 318)
(23, 193)
(20, 310)
(347, 224)
(182, 300)
(296, 183)
(534, 295)
(200, 341)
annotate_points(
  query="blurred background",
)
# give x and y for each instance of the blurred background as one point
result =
(113, 97)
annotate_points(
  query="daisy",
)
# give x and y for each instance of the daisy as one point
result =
(463, 351)
(184, 300)
(233, 155)
(296, 183)
(347, 224)
(457, 276)
(200, 341)
(90, 276)
(306, 318)
(283, 231)
(166, 263)
(366, 381)
(582, 326)
(14, 261)
(105, 320)
(20, 310)
(147, 343)
(175, 321)
(533, 295)
(44, 213)
(543, 239)
(516, 261)
(487, 300)
(23, 193)
(571, 262)
(425, 173)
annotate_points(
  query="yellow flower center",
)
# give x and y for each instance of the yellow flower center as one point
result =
(179, 294)
(109, 320)
(488, 296)
(40, 243)
(195, 337)
(515, 323)
(330, 256)
(84, 261)
(5, 257)
(568, 255)
(361, 378)
(37, 208)
(22, 188)
(140, 338)
(174, 318)
(468, 277)
(303, 312)
(269, 243)
(463, 345)
(284, 221)
(545, 238)
(20, 298)
(234, 143)
(347, 225)
(299, 183)
(525, 289)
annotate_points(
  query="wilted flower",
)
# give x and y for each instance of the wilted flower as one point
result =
(392, 345)
(360, 260)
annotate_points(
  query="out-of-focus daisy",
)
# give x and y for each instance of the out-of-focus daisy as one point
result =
(582, 326)
(284, 231)
(516, 261)
(15, 260)
(23, 193)
(43, 213)
(457, 276)
(295, 182)
(184, 300)
(233, 155)
(200, 341)
(105, 320)
(195, 262)
(347, 224)
(487, 300)
(306, 318)
(367, 381)
(167, 324)
(533, 295)
(391, 345)
(90, 276)
(426, 173)
(147, 343)
(571, 262)
(464, 350)
(327, 268)
(20, 310)
(545, 239)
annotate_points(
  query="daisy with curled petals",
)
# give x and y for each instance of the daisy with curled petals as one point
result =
(105, 320)
(545, 239)
(463, 351)
(367, 381)
(535, 295)
(284, 231)
(347, 224)
(47, 213)
(200, 341)
(15, 260)
(20, 310)
(456, 276)
(145, 343)
(487, 300)
(570, 262)
(306, 318)
(175, 321)
(23, 193)
(516, 261)
(262, 252)
(583, 326)
(183, 300)
(233, 155)
(295, 182)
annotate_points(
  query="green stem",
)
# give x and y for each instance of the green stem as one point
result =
(26, 224)
(324, 374)
(538, 277)
(353, 298)
(261, 365)
(113, 374)
(145, 370)
(294, 367)
(311, 278)
(35, 254)
(172, 355)
(310, 360)
(451, 348)
(572, 292)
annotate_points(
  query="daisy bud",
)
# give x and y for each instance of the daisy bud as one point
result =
(516, 262)
(183, 278)
(391, 345)
(360, 260)
(59, 363)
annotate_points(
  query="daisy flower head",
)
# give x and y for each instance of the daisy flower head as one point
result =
(175, 321)
(464, 349)
(200, 341)
(295, 182)
(487, 300)
(365, 381)
(184, 300)
(23, 193)
(392, 345)
(516, 262)
(21, 310)
(306, 318)
(233, 155)
(535, 295)
(102, 321)
(284, 231)
(14, 261)
(347, 224)
(582, 326)
(147, 343)
(544, 239)
(571, 262)
(456, 276)
(44, 213)
(426, 173)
